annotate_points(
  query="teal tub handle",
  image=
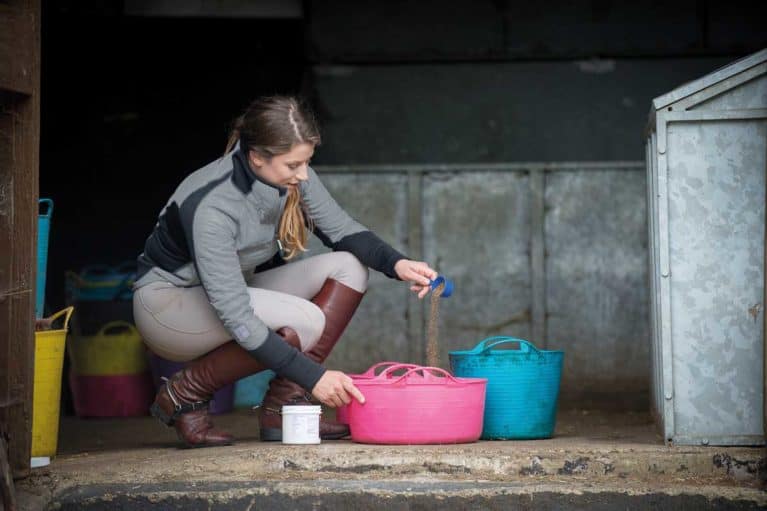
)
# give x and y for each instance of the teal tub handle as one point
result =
(480, 347)
(483, 346)
(49, 207)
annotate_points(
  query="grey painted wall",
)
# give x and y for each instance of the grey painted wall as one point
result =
(552, 252)
(493, 112)
(452, 30)
(479, 225)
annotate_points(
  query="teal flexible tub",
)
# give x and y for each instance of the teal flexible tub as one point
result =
(522, 386)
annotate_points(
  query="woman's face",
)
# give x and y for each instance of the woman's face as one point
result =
(286, 169)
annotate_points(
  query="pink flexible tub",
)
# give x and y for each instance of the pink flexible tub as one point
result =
(426, 405)
(342, 412)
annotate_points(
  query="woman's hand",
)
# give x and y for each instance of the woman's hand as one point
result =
(336, 389)
(418, 273)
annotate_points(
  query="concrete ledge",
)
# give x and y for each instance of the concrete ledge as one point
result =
(393, 495)
(617, 456)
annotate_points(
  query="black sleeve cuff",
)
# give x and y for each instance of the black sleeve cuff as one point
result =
(287, 361)
(372, 251)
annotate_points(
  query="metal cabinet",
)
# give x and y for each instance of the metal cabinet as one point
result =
(706, 156)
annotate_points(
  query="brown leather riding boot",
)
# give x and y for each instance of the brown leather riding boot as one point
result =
(183, 401)
(338, 302)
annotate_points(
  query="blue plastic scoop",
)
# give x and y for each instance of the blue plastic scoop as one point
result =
(448, 289)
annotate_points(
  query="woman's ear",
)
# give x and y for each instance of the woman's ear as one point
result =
(255, 159)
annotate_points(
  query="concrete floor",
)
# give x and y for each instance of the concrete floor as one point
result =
(593, 456)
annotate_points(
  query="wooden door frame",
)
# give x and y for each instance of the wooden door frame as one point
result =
(19, 171)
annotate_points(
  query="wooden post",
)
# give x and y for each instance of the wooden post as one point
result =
(19, 161)
(6, 481)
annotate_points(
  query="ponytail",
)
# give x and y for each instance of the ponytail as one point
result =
(293, 231)
(234, 134)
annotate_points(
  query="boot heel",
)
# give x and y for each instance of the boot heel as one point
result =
(157, 413)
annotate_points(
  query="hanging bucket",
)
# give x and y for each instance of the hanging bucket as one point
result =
(46, 394)
(43, 232)
(522, 386)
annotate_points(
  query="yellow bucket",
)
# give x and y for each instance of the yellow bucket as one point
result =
(46, 394)
(116, 349)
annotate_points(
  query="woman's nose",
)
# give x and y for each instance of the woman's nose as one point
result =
(303, 173)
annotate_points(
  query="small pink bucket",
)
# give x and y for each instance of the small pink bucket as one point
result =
(426, 405)
(342, 412)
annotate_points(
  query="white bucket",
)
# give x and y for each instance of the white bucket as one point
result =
(301, 424)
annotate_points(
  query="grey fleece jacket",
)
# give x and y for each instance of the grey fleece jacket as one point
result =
(220, 225)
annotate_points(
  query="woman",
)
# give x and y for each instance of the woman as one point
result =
(212, 287)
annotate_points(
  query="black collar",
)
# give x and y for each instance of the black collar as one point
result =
(243, 177)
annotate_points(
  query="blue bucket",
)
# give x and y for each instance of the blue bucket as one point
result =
(43, 231)
(522, 387)
(101, 282)
(249, 391)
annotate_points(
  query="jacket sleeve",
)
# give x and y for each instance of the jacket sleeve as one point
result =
(214, 250)
(340, 232)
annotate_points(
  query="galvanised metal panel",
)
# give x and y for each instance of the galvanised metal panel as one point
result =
(716, 242)
(655, 279)
(596, 279)
(379, 330)
(656, 398)
(752, 94)
(706, 164)
(476, 229)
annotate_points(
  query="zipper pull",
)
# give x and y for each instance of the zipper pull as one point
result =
(281, 249)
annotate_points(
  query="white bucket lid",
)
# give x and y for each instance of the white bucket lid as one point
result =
(39, 461)
(301, 410)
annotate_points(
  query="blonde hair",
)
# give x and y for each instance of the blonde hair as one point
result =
(271, 126)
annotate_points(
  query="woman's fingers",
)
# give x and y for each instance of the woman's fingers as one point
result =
(427, 272)
(337, 389)
(417, 272)
(354, 391)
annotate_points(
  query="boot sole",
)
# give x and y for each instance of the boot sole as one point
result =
(275, 435)
(157, 413)
(200, 446)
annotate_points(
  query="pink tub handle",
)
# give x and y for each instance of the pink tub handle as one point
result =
(424, 368)
(372, 370)
(386, 373)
